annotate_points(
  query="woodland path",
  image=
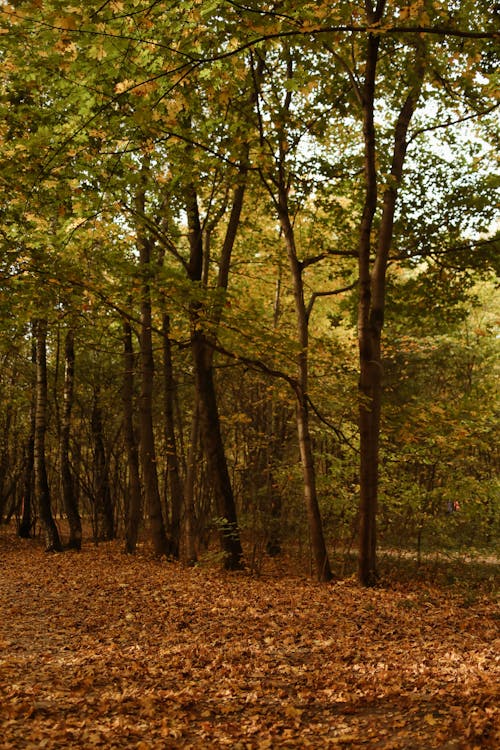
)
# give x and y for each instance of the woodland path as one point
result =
(100, 650)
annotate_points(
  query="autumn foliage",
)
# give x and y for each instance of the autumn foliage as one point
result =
(98, 649)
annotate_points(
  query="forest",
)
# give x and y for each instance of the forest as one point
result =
(249, 310)
(249, 278)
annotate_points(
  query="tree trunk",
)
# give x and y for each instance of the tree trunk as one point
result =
(369, 430)
(369, 379)
(68, 485)
(133, 511)
(5, 490)
(27, 515)
(372, 283)
(189, 488)
(276, 431)
(280, 199)
(147, 446)
(202, 352)
(26, 523)
(214, 451)
(322, 563)
(105, 528)
(42, 491)
(277, 440)
(173, 470)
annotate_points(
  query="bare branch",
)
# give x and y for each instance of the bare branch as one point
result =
(450, 123)
(331, 426)
(329, 293)
(152, 228)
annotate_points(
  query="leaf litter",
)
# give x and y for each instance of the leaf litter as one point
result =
(103, 650)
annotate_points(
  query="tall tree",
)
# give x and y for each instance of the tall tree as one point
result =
(133, 509)
(173, 463)
(280, 181)
(372, 282)
(42, 489)
(105, 526)
(394, 72)
(147, 443)
(28, 490)
(67, 481)
(203, 353)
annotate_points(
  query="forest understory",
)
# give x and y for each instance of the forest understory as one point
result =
(100, 649)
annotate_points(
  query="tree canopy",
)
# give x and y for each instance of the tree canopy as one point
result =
(264, 225)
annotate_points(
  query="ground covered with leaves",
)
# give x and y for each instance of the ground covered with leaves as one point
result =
(98, 649)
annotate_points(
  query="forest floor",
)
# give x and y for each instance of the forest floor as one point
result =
(98, 649)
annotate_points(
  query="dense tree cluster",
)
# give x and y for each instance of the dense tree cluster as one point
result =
(210, 213)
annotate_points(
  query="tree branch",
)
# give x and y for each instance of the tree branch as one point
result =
(451, 123)
(330, 293)
(326, 422)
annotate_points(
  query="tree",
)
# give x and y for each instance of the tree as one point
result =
(67, 482)
(279, 183)
(173, 465)
(28, 494)
(139, 172)
(133, 513)
(440, 368)
(147, 445)
(382, 177)
(203, 353)
(372, 280)
(42, 490)
(104, 520)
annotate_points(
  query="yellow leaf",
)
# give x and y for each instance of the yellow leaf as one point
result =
(122, 86)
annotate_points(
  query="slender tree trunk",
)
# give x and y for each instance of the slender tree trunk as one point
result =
(372, 283)
(27, 515)
(26, 523)
(68, 484)
(42, 491)
(189, 488)
(173, 469)
(147, 445)
(276, 430)
(370, 374)
(133, 512)
(103, 502)
(280, 198)
(147, 438)
(5, 491)
(202, 352)
(322, 563)
(214, 451)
